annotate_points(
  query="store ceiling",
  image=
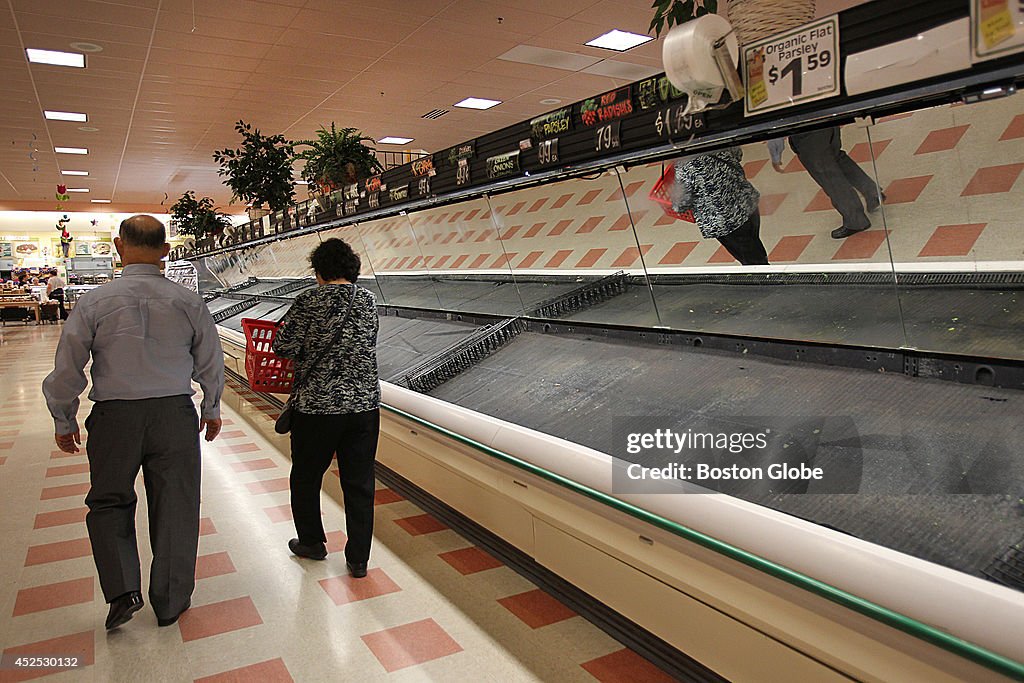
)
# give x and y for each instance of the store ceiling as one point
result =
(172, 76)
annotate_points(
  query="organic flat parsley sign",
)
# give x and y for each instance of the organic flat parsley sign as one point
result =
(997, 28)
(792, 68)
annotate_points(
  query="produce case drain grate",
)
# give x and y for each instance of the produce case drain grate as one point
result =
(1008, 568)
(462, 355)
(233, 310)
(590, 294)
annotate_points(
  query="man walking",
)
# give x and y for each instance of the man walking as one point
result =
(821, 153)
(148, 338)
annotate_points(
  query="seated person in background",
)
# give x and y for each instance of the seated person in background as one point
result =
(821, 153)
(724, 203)
(55, 291)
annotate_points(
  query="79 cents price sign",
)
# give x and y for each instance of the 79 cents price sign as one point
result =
(792, 68)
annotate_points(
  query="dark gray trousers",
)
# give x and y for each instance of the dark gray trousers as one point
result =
(821, 153)
(160, 436)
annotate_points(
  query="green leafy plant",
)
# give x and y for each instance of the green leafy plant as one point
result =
(198, 217)
(669, 13)
(260, 171)
(337, 157)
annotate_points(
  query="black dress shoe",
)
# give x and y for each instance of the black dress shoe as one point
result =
(173, 620)
(843, 231)
(356, 569)
(123, 608)
(310, 552)
(872, 202)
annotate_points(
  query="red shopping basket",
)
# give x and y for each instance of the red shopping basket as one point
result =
(266, 372)
(661, 193)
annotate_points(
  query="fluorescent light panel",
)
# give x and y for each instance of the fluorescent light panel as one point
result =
(617, 40)
(74, 173)
(65, 116)
(78, 189)
(71, 150)
(477, 103)
(392, 140)
(100, 201)
(56, 58)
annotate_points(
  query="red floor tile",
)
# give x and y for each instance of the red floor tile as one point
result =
(214, 564)
(54, 595)
(942, 140)
(770, 203)
(537, 205)
(534, 230)
(790, 248)
(561, 201)
(630, 255)
(861, 153)
(821, 202)
(589, 225)
(55, 552)
(559, 258)
(588, 197)
(470, 560)
(45, 520)
(536, 608)
(6, 445)
(270, 671)
(418, 525)
(218, 618)
(10, 433)
(952, 240)
(590, 258)
(268, 486)
(895, 117)
(81, 645)
(530, 259)
(625, 666)
(385, 497)
(206, 527)
(516, 209)
(503, 260)
(993, 180)
(410, 644)
(344, 589)
(665, 219)
(253, 465)
(279, 513)
(64, 470)
(509, 233)
(722, 256)
(233, 434)
(64, 491)
(336, 541)
(61, 454)
(677, 254)
(560, 227)
(752, 168)
(862, 245)
(622, 223)
(906, 190)
(794, 166)
(3, 459)
(479, 260)
(1015, 129)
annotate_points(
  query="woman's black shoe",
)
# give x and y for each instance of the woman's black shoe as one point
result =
(310, 552)
(123, 608)
(357, 570)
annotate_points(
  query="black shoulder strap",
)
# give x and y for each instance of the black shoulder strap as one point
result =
(334, 340)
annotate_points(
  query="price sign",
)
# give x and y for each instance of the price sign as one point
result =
(374, 200)
(607, 137)
(672, 122)
(792, 68)
(424, 185)
(547, 152)
(462, 173)
(997, 28)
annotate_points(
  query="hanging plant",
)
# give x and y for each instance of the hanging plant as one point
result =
(197, 217)
(337, 157)
(669, 13)
(260, 171)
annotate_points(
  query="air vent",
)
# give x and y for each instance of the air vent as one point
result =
(434, 114)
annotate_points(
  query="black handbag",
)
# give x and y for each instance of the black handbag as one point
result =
(283, 425)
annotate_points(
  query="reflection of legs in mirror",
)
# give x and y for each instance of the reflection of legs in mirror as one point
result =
(744, 243)
(821, 153)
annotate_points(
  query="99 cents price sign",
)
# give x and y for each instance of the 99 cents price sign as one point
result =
(801, 65)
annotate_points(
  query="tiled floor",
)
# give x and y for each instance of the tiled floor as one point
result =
(433, 607)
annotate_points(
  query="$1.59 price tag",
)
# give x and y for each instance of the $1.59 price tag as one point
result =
(791, 68)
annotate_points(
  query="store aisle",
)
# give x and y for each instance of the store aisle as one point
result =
(432, 608)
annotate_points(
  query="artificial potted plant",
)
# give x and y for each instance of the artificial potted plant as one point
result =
(337, 158)
(197, 218)
(260, 171)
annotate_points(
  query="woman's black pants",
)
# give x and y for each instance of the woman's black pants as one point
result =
(744, 243)
(315, 440)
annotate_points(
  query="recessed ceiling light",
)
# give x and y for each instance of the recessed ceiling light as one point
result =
(88, 129)
(551, 100)
(620, 41)
(71, 150)
(302, 182)
(78, 189)
(477, 103)
(87, 47)
(100, 201)
(54, 57)
(65, 116)
(74, 173)
(392, 140)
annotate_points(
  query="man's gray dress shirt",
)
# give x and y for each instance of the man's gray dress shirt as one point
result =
(149, 338)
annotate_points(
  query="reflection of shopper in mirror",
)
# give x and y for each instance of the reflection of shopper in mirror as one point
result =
(821, 153)
(724, 203)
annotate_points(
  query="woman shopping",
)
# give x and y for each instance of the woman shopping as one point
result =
(331, 334)
(724, 203)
